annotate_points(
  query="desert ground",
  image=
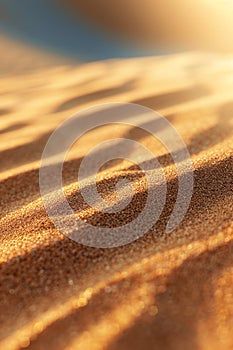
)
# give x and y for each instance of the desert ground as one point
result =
(163, 291)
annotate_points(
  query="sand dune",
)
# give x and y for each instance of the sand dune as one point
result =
(162, 291)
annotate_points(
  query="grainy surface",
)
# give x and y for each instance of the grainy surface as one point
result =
(160, 292)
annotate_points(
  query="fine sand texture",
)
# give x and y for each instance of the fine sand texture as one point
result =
(164, 291)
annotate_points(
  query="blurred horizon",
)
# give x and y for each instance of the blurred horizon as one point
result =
(86, 31)
(48, 25)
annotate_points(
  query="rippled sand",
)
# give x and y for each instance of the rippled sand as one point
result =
(160, 292)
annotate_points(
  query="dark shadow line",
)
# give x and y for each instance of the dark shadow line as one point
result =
(103, 93)
(13, 127)
(23, 154)
(173, 98)
(4, 111)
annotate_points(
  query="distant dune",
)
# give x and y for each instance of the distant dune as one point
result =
(19, 57)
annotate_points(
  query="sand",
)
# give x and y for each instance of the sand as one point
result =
(163, 291)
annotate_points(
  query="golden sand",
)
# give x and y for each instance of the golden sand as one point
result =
(162, 291)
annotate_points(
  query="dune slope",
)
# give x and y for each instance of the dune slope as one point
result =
(160, 292)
